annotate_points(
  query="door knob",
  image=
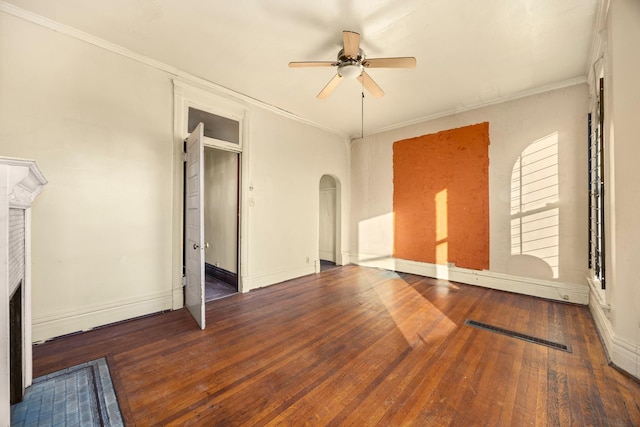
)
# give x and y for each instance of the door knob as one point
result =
(206, 245)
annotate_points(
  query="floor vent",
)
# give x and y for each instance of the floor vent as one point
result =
(518, 335)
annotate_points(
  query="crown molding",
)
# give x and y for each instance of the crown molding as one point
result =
(598, 38)
(82, 36)
(474, 106)
(206, 84)
(159, 65)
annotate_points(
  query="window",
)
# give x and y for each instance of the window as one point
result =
(215, 127)
(596, 189)
(225, 121)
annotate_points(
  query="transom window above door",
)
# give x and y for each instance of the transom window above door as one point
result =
(215, 127)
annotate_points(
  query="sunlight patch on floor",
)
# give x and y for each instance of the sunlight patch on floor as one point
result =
(414, 327)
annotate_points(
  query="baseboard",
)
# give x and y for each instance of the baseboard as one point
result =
(621, 353)
(261, 280)
(51, 326)
(178, 298)
(221, 274)
(625, 356)
(345, 259)
(559, 291)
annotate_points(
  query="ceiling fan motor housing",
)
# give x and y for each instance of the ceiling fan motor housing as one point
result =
(349, 67)
(342, 59)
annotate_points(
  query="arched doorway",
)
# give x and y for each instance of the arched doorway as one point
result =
(328, 236)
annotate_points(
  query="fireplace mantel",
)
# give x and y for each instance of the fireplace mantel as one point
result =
(20, 183)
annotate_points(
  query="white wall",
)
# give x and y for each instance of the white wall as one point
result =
(513, 126)
(99, 127)
(221, 208)
(618, 318)
(106, 230)
(287, 161)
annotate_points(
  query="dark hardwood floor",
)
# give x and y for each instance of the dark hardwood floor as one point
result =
(358, 346)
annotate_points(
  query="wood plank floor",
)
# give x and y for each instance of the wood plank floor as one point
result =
(359, 346)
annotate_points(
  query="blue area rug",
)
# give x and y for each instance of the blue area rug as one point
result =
(82, 395)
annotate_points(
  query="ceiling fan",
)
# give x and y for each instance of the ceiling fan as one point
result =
(351, 64)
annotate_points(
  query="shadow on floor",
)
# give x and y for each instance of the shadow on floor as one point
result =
(327, 265)
(216, 289)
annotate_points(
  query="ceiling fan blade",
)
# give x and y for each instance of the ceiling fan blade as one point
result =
(333, 83)
(370, 85)
(351, 43)
(402, 62)
(301, 64)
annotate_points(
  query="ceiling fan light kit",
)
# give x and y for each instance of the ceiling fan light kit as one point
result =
(350, 71)
(351, 64)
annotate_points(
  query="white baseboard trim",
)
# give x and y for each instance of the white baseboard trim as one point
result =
(559, 291)
(261, 280)
(178, 298)
(55, 325)
(620, 352)
(345, 258)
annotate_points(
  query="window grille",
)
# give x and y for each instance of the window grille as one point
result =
(596, 190)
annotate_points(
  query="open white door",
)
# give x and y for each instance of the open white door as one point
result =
(194, 230)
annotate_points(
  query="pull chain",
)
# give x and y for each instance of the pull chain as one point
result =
(362, 118)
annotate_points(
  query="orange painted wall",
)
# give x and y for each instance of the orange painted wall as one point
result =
(441, 197)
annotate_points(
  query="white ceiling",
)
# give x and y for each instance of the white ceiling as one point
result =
(468, 52)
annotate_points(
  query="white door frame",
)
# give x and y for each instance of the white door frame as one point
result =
(338, 221)
(238, 205)
(331, 194)
(186, 96)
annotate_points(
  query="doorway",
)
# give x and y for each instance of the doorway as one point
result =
(328, 223)
(207, 119)
(221, 222)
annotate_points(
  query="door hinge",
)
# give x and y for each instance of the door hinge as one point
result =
(184, 150)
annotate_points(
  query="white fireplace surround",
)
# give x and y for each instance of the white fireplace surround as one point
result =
(20, 182)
